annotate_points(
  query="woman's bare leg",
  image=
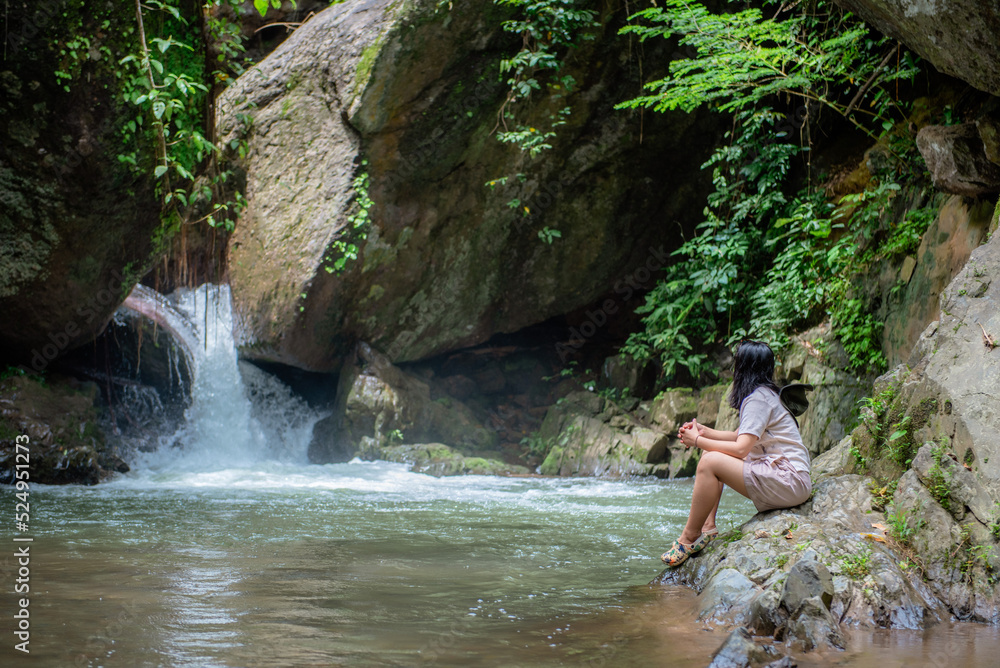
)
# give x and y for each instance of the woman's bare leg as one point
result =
(715, 469)
(710, 522)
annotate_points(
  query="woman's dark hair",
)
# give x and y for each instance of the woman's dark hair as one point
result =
(754, 366)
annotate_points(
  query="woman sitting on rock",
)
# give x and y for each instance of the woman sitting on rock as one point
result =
(764, 460)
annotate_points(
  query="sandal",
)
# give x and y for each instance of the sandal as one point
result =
(676, 555)
(703, 541)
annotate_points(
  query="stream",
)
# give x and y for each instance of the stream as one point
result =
(224, 547)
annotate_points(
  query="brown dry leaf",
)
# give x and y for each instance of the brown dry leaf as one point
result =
(788, 534)
(760, 533)
(879, 526)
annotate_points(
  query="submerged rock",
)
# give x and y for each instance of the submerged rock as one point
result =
(407, 93)
(437, 459)
(65, 443)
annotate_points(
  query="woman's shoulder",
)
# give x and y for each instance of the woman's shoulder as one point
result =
(763, 393)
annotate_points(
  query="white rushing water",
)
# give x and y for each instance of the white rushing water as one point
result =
(240, 416)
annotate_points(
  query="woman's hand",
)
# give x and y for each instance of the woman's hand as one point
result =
(689, 435)
(694, 430)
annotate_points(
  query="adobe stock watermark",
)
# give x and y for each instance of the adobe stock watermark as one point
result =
(44, 12)
(625, 288)
(87, 313)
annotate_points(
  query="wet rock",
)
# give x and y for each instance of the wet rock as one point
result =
(585, 434)
(957, 160)
(378, 400)
(766, 614)
(957, 37)
(813, 627)
(437, 459)
(740, 651)
(727, 597)
(807, 579)
(65, 443)
(406, 93)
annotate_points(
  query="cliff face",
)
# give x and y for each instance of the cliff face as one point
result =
(74, 220)
(408, 94)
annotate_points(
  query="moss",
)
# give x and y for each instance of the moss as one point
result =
(365, 64)
(553, 461)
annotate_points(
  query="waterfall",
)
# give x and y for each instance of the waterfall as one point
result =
(239, 415)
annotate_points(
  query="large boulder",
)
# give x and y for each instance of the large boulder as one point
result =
(955, 370)
(408, 94)
(958, 37)
(956, 158)
(381, 402)
(437, 459)
(76, 224)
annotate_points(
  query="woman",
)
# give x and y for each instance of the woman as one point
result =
(764, 460)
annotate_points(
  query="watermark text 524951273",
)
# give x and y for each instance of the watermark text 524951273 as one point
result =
(22, 548)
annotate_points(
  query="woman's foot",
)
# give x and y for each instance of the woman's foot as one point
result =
(677, 554)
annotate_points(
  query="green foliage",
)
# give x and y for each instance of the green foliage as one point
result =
(903, 526)
(938, 479)
(345, 248)
(882, 493)
(548, 235)
(765, 264)
(744, 59)
(857, 566)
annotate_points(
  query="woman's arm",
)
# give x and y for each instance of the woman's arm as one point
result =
(717, 435)
(714, 434)
(740, 447)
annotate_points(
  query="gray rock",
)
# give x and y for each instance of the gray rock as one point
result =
(740, 651)
(813, 627)
(807, 579)
(766, 615)
(957, 160)
(958, 37)
(809, 540)
(378, 400)
(727, 597)
(437, 459)
(407, 94)
(838, 460)
(590, 436)
(673, 408)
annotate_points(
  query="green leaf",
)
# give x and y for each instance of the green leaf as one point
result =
(159, 171)
(261, 6)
